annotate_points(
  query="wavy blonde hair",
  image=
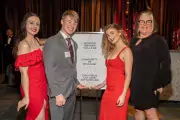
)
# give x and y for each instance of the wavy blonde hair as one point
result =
(107, 46)
(154, 23)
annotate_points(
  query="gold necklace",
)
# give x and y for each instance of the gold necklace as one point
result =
(31, 44)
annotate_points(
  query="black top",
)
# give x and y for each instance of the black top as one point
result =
(151, 70)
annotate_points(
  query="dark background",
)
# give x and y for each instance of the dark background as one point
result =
(94, 15)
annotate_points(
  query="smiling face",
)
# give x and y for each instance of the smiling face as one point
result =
(32, 25)
(69, 25)
(145, 24)
(113, 35)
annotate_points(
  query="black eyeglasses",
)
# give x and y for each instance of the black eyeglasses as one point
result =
(143, 22)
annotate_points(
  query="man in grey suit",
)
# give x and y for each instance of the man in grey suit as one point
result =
(60, 65)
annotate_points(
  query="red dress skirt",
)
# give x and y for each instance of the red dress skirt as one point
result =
(37, 82)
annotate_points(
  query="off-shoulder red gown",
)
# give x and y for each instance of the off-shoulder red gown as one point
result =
(37, 82)
(115, 81)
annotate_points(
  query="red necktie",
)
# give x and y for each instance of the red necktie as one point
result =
(70, 49)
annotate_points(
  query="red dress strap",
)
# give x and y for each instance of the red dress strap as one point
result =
(122, 50)
(28, 59)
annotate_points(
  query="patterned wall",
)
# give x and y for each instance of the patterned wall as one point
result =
(172, 91)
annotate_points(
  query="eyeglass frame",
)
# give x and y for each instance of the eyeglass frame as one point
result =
(145, 22)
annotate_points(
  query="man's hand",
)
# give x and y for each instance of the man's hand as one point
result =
(80, 86)
(60, 100)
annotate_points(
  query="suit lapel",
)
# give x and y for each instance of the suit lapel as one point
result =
(62, 40)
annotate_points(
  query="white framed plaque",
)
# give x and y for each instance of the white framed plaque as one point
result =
(91, 69)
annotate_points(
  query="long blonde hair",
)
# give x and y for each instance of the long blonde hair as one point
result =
(107, 46)
(149, 13)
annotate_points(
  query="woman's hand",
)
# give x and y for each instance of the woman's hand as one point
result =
(120, 101)
(22, 103)
(97, 87)
(160, 90)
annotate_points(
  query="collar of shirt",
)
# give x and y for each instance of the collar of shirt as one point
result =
(10, 36)
(9, 40)
(64, 35)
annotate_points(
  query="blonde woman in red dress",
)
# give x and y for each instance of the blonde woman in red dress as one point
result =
(114, 104)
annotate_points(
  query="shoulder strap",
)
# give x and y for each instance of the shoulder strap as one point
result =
(122, 50)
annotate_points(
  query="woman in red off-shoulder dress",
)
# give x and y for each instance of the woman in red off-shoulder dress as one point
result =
(29, 61)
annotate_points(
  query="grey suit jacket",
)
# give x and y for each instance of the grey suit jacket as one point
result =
(60, 71)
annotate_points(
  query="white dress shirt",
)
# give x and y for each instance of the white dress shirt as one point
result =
(9, 41)
(72, 43)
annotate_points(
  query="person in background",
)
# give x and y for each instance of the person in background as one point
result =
(119, 59)
(10, 38)
(8, 57)
(29, 61)
(151, 67)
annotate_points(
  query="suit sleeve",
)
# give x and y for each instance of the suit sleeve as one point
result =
(163, 77)
(56, 81)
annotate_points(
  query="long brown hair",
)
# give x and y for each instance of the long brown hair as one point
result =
(22, 33)
(107, 46)
(149, 13)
